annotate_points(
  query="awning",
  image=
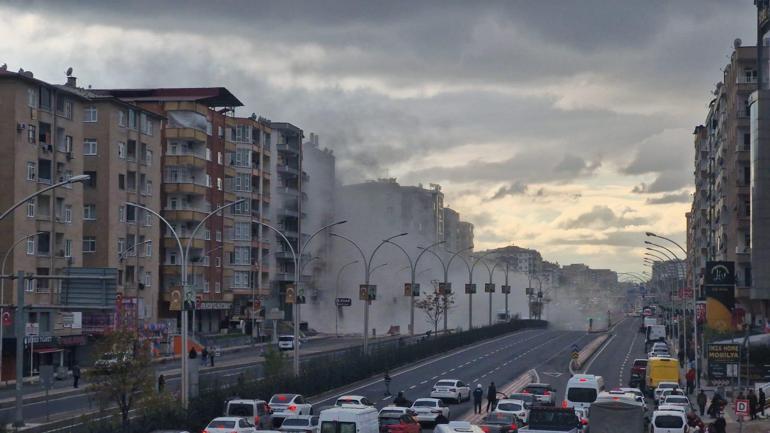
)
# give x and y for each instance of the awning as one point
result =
(47, 350)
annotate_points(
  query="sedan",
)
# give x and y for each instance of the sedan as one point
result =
(404, 423)
(429, 409)
(353, 400)
(677, 400)
(497, 422)
(300, 424)
(513, 407)
(451, 389)
(228, 424)
(543, 392)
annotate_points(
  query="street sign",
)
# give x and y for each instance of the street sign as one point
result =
(372, 292)
(575, 355)
(301, 296)
(489, 287)
(444, 288)
(470, 288)
(529, 291)
(291, 295)
(343, 302)
(506, 289)
(411, 289)
(742, 407)
(32, 329)
(367, 292)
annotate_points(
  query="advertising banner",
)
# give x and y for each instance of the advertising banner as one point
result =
(719, 288)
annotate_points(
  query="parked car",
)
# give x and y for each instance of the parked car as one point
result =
(230, 424)
(543, 393)
(353, 400)
(391, 422)
(514, 407)
(499, 422)
(286, 405)
(300, 424)
(451, 389)
(429, 409)
(256, 410)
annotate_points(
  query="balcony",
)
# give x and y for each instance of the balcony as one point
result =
(186, 160)
(186, 134)
(287, 169)
(288, 148)
(185, 185)
(740, 250)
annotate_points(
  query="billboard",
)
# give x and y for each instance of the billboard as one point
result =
(719, 288)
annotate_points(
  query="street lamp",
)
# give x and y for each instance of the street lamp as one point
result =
(492, 286)
(447, 286)
(2, 293)
(73, 179)
(413, 272)
(337, 294)
(651, 234)
(471, 286)
(367, 276)
(186, 297)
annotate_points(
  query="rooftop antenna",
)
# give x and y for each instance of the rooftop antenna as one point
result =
(69, 71)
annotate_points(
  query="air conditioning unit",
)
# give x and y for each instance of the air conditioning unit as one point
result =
(21, 126)
(69, 156)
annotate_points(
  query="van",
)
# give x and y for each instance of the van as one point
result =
(582, 390)
(256, 410)
(656, 333)
(661, 370)
(349, 420)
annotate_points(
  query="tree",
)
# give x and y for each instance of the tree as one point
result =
(124, 373)
(275, 362)
(434, 306)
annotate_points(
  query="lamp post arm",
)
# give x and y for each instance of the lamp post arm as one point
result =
(170, 227)
(667, 239)
(37, 193)
(203, 221)
(360, 251)
(408, 257)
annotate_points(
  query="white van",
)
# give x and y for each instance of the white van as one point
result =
(582, 390)
(668, 421)
(349, 420)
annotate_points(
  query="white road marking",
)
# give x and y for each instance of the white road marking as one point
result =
(423, 382)
(413, 387)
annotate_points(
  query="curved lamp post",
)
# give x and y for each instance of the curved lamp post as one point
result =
(491, 284)
(472, 287)
(447, 286)
(336, 295)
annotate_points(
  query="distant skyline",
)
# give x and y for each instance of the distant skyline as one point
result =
(560, 126)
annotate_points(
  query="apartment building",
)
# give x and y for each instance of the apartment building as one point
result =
(121, 153)
(457, 234)
(197, 178)
(700, 230)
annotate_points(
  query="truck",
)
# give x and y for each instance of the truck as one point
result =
(648, 321)
(654, 334)
(617, 413)
(546, 419)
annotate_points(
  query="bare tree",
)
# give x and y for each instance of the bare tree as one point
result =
(123, 373)
(434, 306)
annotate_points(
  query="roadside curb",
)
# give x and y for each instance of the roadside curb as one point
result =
(512, 387)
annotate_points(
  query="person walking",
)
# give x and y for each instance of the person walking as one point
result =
(752, 404)
(761, 402)
(212, 355)
(204, 355)
(193, 353)
(75, 375)
(491, 396)
(690, 377)
(718, 426)
(478, 395)
(387, 380)
(161, 383)
(702, 402)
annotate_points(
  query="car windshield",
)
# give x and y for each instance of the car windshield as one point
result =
(286, 338)
(509, 407)
(676, 400)
(668, 421)
(390, 421)
(295, 422)
(342, 401)
(499, 418)
(445, 383)
(240, 409)
(281, 399)
(221, 424)
(386, 413)
(581, 395)
(424, 403)
(523, 397)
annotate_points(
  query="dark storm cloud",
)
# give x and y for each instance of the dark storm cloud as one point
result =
(601, 218)
(516, 188)
(682, 197)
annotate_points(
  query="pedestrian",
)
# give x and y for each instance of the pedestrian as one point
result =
(761, 402)
(491, 396)
(204, 355)
(193, 353)
(718, 426)
(161, 383)
(690, 377)
(478, 394)
(75, 375)
(211, 357)
(702, 402)
(752, 404)
(387, 383)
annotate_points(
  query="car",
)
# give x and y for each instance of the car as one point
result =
(515, 407)
(349, 419)
(286, 405)
(528, 399)
(675, 408)
(500, 422)
(230, 424)
(353, 400)
(458, 427)
(451, 389)
(668, 392)
(658, 354)
(663, 386)
(399, 423)
(638, 372)
(429, 409)
(660, 345)
(286, 342)
(396, 410)
(257, 410)
(677, 400)
(543, 392)
(110, 360)
(668, 421)
(300, 424)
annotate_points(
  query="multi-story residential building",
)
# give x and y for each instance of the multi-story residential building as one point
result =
(700, 231)
(521, 260)
(121, 148)
(289, 200)
(457, 234)
(197, 178)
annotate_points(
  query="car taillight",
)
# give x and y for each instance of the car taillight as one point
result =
(205, 431)
(293, 408)
(525, 392)
(547, 393)
(256, 419)
(564, 403)
(514, 427)
(584, 421)
(485, 429)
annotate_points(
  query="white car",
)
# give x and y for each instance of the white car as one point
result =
(230, 424)
(663, 386)
(677, 400)
(300, 424)
(458, 427)
(668, 392)
(428, 409)
(668, 421)
(515, 407)
(286, 405)
(353, 400)
(396, 411)
(286, 342)
(451, 389)
(665, 407)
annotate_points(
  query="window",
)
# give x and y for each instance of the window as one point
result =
(131, 181)
(131, 214)
(218, 262)
(121, 150)
(91, 182)
(219, 158)
(206, 286)
(121, 118)
(220, 132)
(64, 107)
(31, 246)
(45, 98)
(148, 187)
(122, 181)
(31, 171)
(89, 146)
(208, 154)
(219, 183)
(131, 150)
(240, 279)
(148, 249)
(31, 97)
(68, 213)
(90, 114)
(219, 236)
(148, 219)
(217, 287)
(208, 180)
(147, 279)
(29, 285)
(241, 256)
(209, 127)
(207, 234)
(68, 143)
(31, 209)
(242, 231)
(68, 248)
(132, 119)
(172, 257)
(121, 244)
(31, 134)
(89, 244)
(122, 213)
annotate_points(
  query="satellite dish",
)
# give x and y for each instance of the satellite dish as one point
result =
(69, 71)
(737, 43)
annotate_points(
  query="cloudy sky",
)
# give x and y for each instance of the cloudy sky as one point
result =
(560, 125)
